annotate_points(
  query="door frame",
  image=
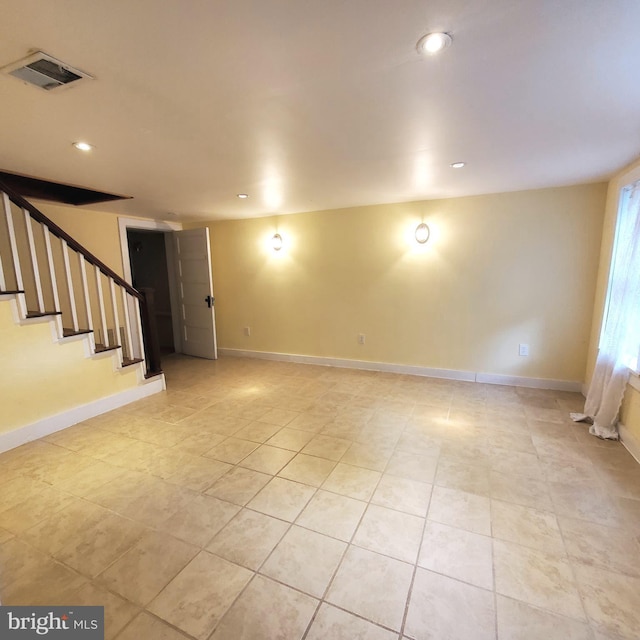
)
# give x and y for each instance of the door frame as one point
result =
(162, 227)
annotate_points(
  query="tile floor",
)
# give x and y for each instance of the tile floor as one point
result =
(262, 500)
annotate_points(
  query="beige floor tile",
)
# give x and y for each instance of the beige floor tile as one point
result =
(516, 463)
(52, 534)
(38, 505)
(413, 466)
(18, 559)
(518, 621)
(50, 583)
(118, 493)
(267, 610)
(585, 502)
(279, 417)
(248, 539)
(117, 611)
(332, 514)
(258, 431)
(268, 459)
(369, 456)
(570, 472)
(227, 425)
(458, 554)
(239, 485)
(231, 450)
(5, 536)
(623, 481)
(403, 495)
(610, 599)
(98, 546)
(282, 499)
(541, 579)
(390, 532)
(145, 569)
(198, 473)
(199, 519)
(311, 422)
(457, 474)
(335, 624)
(327, 447)
(151, 509)
(292, 439)
(197, 443)
(460, 509)
(197, 598)
(604, 547)
(520, 490)
(353, 482)
(146, 626)
(304, 560)
(308, 470)
(87, 480)
(436, 605)
(526, 526)
(372, 586)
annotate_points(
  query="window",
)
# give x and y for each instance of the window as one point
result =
(621, 321)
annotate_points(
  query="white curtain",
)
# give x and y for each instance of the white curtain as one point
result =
(619, 342)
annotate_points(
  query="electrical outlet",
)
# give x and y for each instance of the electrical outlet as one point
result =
(523, 349)
(361, 338)
(247, 331)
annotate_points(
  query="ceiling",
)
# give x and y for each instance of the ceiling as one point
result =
(320, 105)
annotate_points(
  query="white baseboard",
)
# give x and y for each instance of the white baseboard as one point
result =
(446, 374)
(630, 441)
(533, 383)
(60, 421)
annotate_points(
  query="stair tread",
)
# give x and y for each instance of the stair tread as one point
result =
(127, 362)
(101, 348)
(42, 314)
(10, 292)
(67, 333)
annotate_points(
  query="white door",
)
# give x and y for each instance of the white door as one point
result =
(195, 290)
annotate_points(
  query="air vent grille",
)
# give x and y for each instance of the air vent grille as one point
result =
(45, 72)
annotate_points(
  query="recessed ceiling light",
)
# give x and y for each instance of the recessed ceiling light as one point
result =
(243, 196)
(457, 165)
(83, 146)
(434, 42)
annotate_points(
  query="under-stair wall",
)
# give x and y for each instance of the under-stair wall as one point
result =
(76, 340)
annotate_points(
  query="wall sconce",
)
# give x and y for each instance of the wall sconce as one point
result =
(276, 242)
(422, 233)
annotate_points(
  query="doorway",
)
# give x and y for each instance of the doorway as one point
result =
(150, 269)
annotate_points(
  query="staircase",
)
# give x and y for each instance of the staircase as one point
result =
(53, 278)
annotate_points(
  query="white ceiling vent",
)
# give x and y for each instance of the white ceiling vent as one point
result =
(45, 72)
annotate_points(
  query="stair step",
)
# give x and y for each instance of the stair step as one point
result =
(42, 314)
(67, 333)
(127, 362)
(11, 292)
(101, 348)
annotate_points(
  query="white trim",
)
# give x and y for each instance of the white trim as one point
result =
(428, 372)
(533, 383)
(151, 225)
(630, 441)
(50, 425)
(634, 380)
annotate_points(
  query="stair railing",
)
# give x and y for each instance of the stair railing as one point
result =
(51, 274)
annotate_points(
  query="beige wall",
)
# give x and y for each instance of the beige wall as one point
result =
(95, 230)
(46, 378)
(630, 414)
(499, 270)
